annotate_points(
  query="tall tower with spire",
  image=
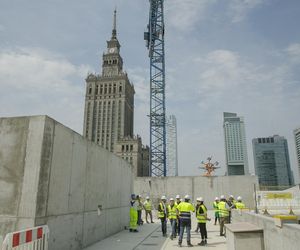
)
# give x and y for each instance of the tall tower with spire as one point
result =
(109, 99)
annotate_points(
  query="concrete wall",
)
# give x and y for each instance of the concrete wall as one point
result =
(275, 238)
(51, 175)
(198, 186)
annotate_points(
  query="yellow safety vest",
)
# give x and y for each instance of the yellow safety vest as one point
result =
(161, 214)
(240, 205)
(185, 210)
(172, 212)
(201, 217)
(223, 211)
(215, 205)
(148, 205)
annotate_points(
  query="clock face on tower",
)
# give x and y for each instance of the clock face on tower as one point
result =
(112, 50)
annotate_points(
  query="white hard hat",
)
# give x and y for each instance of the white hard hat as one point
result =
(239, 198)
(231, 196)
(177, 196)
(171, 199)
(199, 199)
(217, 198)
(222, 197)
(187, 197)
(163, 197)
(147, 198)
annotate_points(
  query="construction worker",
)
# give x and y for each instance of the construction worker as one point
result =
(239, 204)
(224, 214)
(201, 213)
(177, 202)
(196, 207)
(148, 209)
(231, 203)
(139, 210)
(172, 216)
(184, 210)
(133, 214)
(215, 206)
(163, 215)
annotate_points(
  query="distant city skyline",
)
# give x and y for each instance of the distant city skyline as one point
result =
(297, 144)
(235, 55)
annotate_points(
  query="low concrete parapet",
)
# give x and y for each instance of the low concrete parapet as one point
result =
(244, 236)
(275, 238)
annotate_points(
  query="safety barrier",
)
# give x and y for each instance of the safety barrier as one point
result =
(30, 239)
(278, 200)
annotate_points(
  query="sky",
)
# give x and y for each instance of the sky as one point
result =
(240, 56)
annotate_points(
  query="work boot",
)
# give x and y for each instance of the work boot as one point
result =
(202, 243)
(179, 244)
(189, 244)
(205, 241)
(135, 230)
(171, 237)
(130, 230)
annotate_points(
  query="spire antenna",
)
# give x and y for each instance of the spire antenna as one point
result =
(114, 31)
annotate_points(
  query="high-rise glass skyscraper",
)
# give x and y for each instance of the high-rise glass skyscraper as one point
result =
(272, 161)
(297, 142)
(172, 159)
(235, 144)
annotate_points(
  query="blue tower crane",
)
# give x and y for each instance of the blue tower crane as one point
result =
(155, 43)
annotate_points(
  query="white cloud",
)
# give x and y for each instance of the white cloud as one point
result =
(183, 15)
(293, 51)
(238, 9)
(35, 81)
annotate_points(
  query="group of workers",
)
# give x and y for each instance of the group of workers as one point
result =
(179, 211)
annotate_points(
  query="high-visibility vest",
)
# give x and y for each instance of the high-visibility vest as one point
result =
(201, 217)
(172, 212)
(240, 205)
(140, 206)
(223, 211)
(185, 210)
(161, 214)
(177, 203)
(215, 205)
(148, 205)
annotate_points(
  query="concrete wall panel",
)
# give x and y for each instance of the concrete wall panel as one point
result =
(78, 175)
(94, 227)
(66, 178)
(59, 188)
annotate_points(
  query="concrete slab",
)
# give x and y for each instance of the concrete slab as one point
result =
(149, 237)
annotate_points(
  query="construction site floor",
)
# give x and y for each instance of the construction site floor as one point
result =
(150, 237)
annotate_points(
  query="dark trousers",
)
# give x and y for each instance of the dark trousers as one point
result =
(217, 218)
(203, 230)
(140, 221)
(163, 221)
(185, 224)
(178, 226)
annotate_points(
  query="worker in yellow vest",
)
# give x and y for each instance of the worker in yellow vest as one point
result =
(215, 206)
(184, 209)
(133, 214)
(201, 213)
(172, 216)
(177, 202)
(239, 204)
(224, 214)
(139, 209)
(148, 209)
(163, 215)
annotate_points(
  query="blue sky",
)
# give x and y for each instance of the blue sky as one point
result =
(238, 56)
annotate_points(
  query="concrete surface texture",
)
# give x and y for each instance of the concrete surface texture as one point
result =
(150, 237)
(275, 238)
(198, 186)
(51, 175)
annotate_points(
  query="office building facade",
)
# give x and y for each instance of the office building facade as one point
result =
(235, 144)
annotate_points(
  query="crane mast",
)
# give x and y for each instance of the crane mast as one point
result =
(154, 38)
